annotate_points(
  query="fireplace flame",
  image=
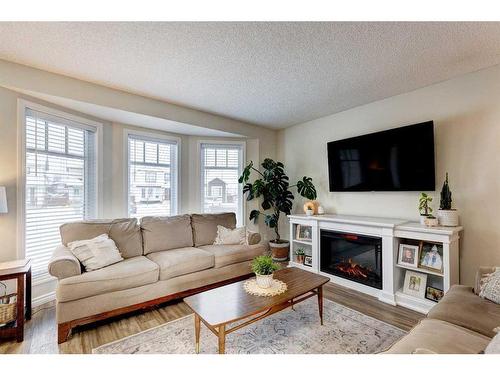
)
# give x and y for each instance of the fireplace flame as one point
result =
(353, 269)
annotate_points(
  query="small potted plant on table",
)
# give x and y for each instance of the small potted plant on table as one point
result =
(264, 267)
(424, 206)
(300, 255)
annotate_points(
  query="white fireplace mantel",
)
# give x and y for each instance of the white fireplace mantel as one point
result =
(392, 232)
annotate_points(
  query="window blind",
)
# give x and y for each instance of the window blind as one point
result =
(152, 174)
(221, 165)
(60, 169)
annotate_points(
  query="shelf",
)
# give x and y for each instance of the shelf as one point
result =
(299, 265)
(303, 242)
(421, 270)
(422, 305)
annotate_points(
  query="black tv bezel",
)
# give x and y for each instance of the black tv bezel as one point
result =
(424, 187)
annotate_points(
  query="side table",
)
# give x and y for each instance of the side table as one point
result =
(20, 270)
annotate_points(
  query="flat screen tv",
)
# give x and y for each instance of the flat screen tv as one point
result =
(399, 159)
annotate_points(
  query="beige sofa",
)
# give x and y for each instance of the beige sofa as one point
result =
(461, 323)
(165, 258)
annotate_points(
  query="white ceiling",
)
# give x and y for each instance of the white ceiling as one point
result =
(270, 74)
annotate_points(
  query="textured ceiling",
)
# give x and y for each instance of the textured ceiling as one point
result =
(271, 74)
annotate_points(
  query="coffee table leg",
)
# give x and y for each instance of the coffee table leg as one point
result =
(320, 303)
(197, 327)
(222, 339)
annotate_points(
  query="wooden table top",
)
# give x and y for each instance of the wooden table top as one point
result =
(14, 267)
(230, 303)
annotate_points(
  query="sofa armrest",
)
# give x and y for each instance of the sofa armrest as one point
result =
(253, 238)
(481, 272)
(63, 263)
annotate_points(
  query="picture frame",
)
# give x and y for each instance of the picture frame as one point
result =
(431, 256)
(408, 255)
(415, 284)
(308, 260)
(433, 294)
(303, 233)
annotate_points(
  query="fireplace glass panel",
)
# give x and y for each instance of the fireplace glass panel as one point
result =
(352, 256)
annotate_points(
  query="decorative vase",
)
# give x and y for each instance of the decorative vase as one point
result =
(321, 210)
(279, 251)
(264, 281)
(431, 222)
(309, 212)
(448, 218)
(300, 259)
(422, 219)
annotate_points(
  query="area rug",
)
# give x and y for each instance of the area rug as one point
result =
(287, 332)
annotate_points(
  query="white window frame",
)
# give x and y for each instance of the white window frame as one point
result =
(22, 105)
(242, 219)
(152, 136)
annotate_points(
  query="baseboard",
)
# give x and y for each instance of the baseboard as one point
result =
(40, 300)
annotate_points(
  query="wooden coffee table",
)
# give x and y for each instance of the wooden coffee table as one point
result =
(221, 306)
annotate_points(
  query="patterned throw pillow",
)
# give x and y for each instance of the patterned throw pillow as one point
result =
(96, 253)
(490, 287)
(227, 236)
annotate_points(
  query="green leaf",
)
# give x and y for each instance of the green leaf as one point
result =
(245, 175)
(247, 189)
(306, 188)
(258, 188)
(254, 215)
(271, 221)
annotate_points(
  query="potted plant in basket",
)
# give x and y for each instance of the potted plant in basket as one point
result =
(447, 216)
(300, 255)
(264, 267)
(272, 185)
(424, 206)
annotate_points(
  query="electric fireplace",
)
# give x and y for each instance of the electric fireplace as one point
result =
(352, 256)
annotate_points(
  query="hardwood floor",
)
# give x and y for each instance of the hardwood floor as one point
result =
(41, 333)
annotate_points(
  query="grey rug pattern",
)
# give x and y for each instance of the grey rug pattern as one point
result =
(287, 332)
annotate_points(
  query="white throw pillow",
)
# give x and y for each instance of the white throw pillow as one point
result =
(96, 253)
(490, 287)
(226, 236)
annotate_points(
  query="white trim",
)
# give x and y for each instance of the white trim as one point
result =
(215, 142)
(153, 136)
(22, 104)
(40, 300)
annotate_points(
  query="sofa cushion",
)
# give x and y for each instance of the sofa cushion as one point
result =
(130, 273)
(205, 226)
(440, 337)
(462, 307)
(125, 232)
(230, 254)
(162, 233)
(182, 261)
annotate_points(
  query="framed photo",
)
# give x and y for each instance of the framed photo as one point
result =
(434, 294)
(431, 257)
(308, 260)
(303, 232)
(408, 255)
(415, 284)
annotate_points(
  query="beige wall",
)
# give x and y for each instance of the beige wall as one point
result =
(466, 113)
(260, 144)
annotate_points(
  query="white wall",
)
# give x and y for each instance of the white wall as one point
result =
(466, 113)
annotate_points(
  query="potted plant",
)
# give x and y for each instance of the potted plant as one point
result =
(431, 221)
(300, 255)
(424, 206)
(273, 187)
(263, 267)
(447, 216)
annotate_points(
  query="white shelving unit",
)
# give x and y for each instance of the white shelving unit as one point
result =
(392, 232)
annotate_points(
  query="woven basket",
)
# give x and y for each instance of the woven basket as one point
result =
(8, 308)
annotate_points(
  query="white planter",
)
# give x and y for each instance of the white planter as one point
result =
(448, 218)
(431, 222)
(264, 281)
(422, 219)
(309, 212)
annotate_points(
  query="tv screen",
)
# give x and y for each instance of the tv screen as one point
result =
(399, 159)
